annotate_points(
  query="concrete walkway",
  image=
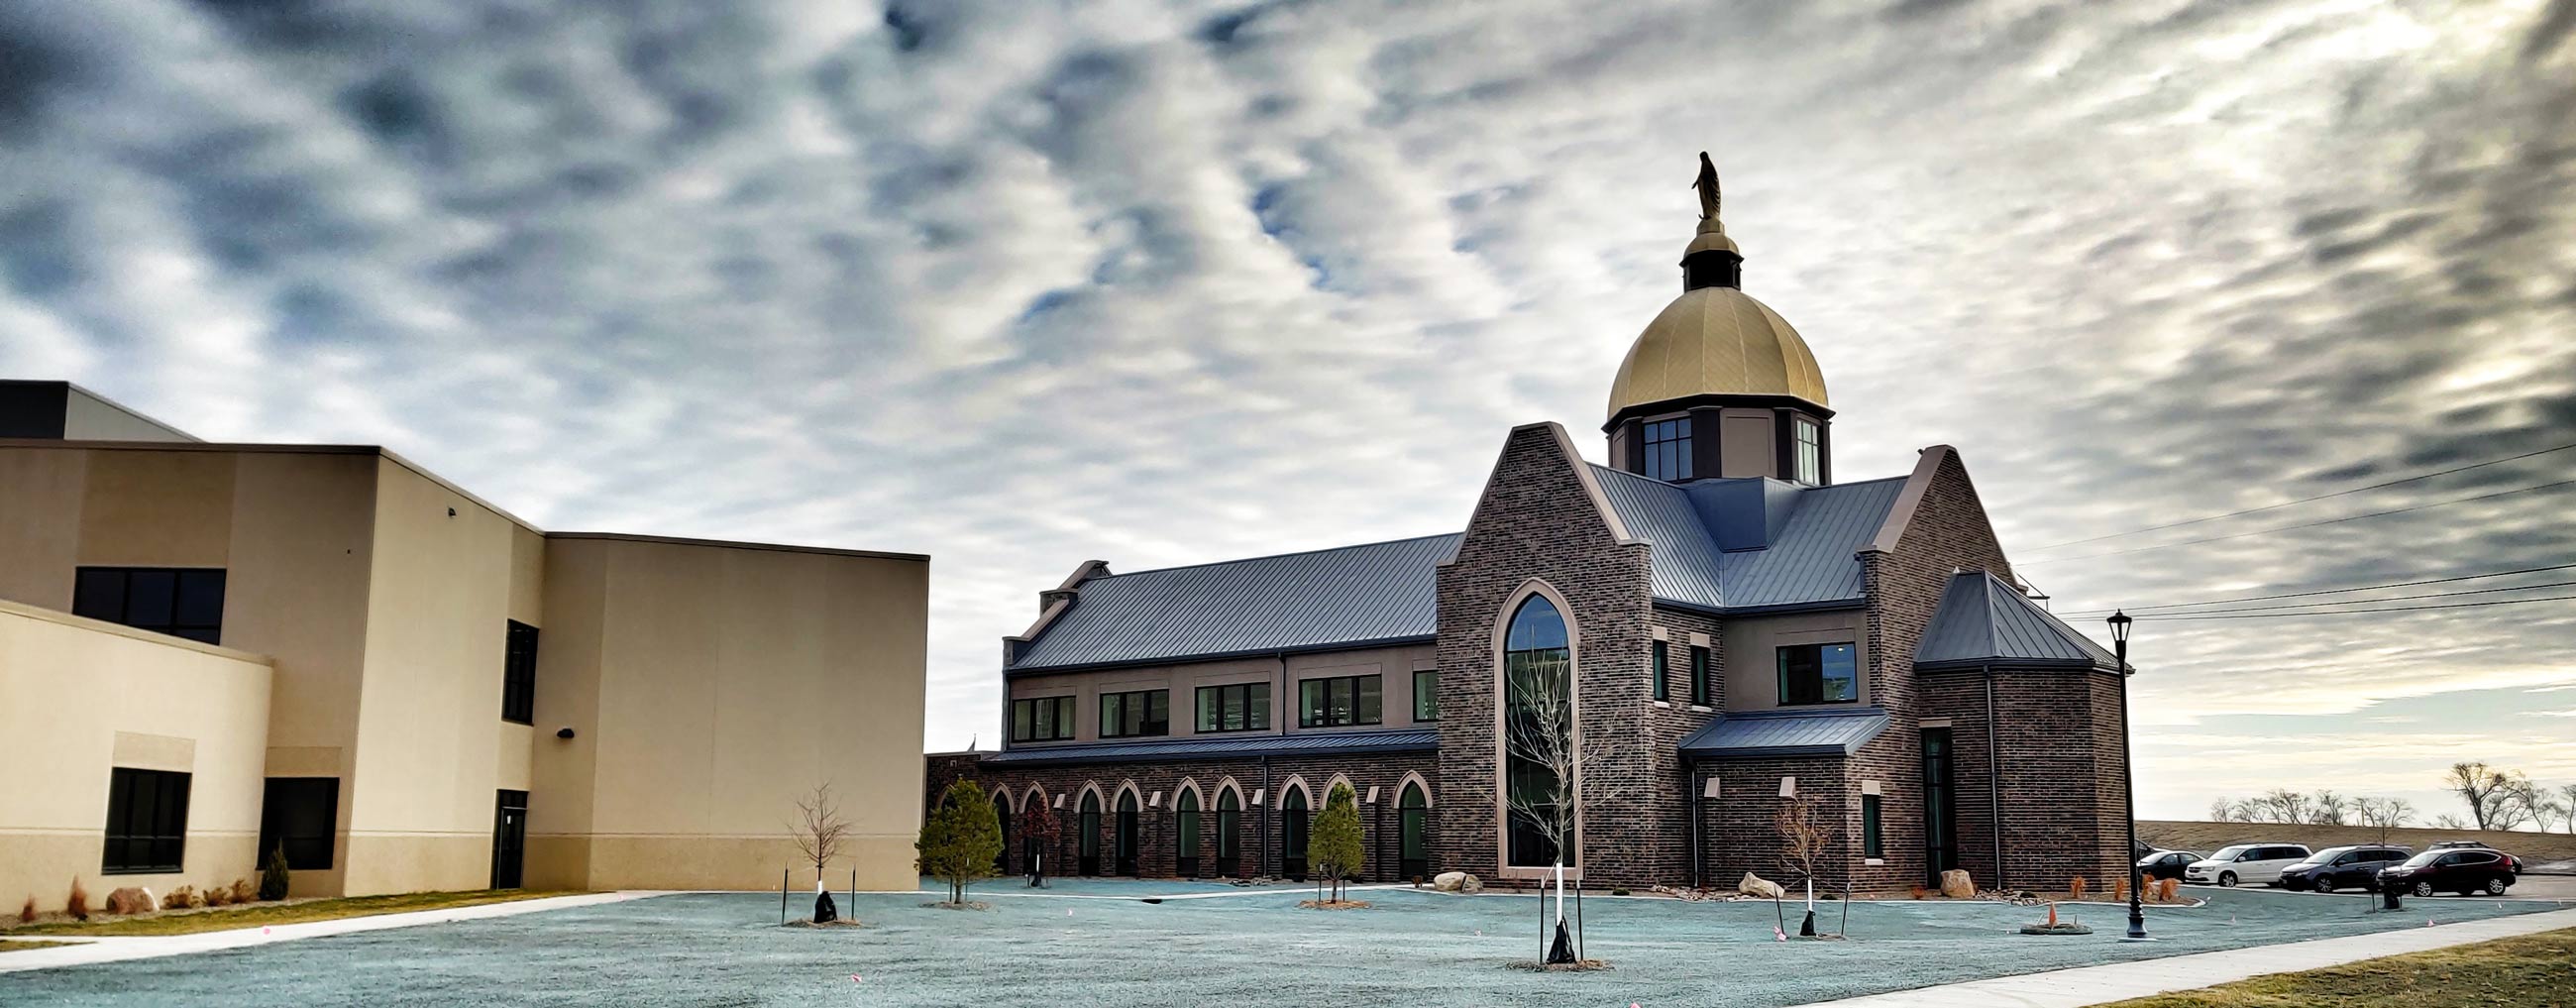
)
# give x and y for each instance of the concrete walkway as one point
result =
(119, 949)
(2093, 985)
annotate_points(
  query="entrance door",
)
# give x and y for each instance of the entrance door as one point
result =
(1088, 824)
(1413, 816)
(1940, 813)
(1292, 821)
(1127, 833)
(1185, 848)
(509, 838)
(1229, 834)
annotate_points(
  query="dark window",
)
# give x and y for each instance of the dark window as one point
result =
(147, 821)
(1940, 828)
(519, 675)
(1818, 674)
(1139, 712)
(1044, 719)
(1229, 833)
(1185, 849)
(1699, 675)
(1413, 825)
(1869, 843)
(1426, 695)
(1809, 459)
(181, 602)
(1538, 717)
(1663, 671)
(1338, 701)
(299, 813)
(1668, 449)
(1293, 825)
(1239, 707)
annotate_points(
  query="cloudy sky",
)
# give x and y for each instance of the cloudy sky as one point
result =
(1023, 284)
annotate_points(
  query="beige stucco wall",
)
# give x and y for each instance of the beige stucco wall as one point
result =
(1394, 665)
(708, 686)
(1750, 646)
(79, 697)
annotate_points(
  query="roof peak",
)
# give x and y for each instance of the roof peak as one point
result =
(1273, 556)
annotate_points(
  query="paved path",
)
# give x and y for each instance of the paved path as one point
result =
(118, 949)
(2092, 985)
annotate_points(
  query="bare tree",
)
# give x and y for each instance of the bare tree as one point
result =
(1805, 838)
(819, 830)
(2449, 822)
(2382, 814)
(1547, 792)
(2330, 809)
(2222, 810)
(2487, 790)
(2567, 806)
(2286, 806)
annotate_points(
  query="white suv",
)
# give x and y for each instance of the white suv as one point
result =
(2245, 863)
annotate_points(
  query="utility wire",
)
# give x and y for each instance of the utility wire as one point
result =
(2330, 591)
(2357, 612)
(2303, 500)
(2301, 525)
(2318, 606)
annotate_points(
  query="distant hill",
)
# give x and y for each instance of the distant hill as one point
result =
(2555, 851)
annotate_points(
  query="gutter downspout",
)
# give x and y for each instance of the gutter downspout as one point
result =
(1690, 773)
(1994, 779)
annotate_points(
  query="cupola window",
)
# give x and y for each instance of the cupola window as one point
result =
(1668, 449)
(1809, 457)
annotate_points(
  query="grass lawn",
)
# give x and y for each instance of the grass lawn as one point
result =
(13, 946)
(259, 914)
(2534, 970)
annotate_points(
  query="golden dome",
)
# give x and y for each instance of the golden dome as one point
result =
(1716, 341)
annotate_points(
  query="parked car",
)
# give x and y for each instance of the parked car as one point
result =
(2342, 868)
(2463, 870)
(2241, 863)
(2165, 864)
(2460, 845)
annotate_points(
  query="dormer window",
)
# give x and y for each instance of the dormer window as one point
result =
(1668, 449)
(1807, 455)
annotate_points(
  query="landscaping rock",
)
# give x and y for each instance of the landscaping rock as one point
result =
(1457, 882)
(1955, 884)
(1755, 885)
(130, 900)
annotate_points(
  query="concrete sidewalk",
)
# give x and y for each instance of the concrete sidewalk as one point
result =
(120, 949)
(2093, 985)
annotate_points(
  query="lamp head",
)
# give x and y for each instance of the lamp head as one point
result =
(2120, 626)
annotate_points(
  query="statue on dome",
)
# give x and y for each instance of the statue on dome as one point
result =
(1707, 186)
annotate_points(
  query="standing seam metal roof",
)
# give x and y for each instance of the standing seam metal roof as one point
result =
(1982, 620)
(1838, 732)
(1375, 592)
(1212, 747)
(1812, 560)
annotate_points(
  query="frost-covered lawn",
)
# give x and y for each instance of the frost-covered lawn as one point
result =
(1095, 942)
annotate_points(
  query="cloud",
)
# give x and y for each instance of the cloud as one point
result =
(1020, 285)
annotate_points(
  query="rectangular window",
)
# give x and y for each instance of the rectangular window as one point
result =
(1426, 695)
(1668, 449)
(299, 814)
(1809, 459)
(1044, 719)
(1869, 843)
(1699, 675)
(519, 674)
(1134, 713)
(1337, 701)
(1239, 707)
(1663, 671)
(1818, 674)
(147, 821)
(179, 601)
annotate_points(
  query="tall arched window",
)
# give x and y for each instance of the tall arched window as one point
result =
(1292, 824)
(1229, 833)
(1127, 832)
(1087, 825)
(1186, 825)
(1538, 730)
(1413, 824)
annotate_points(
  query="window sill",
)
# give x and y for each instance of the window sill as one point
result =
(1665, 704)
(1702, 708)
(1873, 862)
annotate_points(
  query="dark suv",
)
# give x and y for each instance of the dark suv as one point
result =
(2463, 870)
(2342, 868)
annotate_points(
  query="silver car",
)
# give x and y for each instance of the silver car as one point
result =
(2242, 863)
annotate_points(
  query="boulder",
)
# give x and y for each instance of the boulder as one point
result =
(130, 900)
(1955, 884)
(1471, 885)
(1755, 885)
(1448, 881)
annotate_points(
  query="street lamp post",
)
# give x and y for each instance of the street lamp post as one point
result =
(2120, 621)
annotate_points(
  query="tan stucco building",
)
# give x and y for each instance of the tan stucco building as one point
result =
(211, 650)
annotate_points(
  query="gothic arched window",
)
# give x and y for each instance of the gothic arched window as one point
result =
(1538, 733)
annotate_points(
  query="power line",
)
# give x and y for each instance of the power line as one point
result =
(2357, 612)
(2329, 591)
(2303, 500)
(2372, 601)
(2301, 525)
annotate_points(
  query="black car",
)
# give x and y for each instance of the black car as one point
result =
(2464, 870)
(2165, 864)
(2343, 868)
